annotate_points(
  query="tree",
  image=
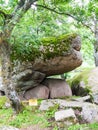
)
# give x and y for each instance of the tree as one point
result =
(9, 22)
(86, 13)
(10, 16)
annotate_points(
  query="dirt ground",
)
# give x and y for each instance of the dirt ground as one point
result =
(36, 127)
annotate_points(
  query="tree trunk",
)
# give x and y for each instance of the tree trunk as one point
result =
(8, 84)
(96, 42)
(96, 53)
(10, 22)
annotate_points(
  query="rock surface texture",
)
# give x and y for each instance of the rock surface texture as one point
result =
(85, 82)
(64, 114)
(90, 114)
(46, 104)
(58, 88)
(71, 112)
(50, 88)
(40, 92)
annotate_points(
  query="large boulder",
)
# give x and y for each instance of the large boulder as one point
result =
(39, 92)
(58, 88)
(89, 114)
(50, 88)
(85, 82)
(56, 55)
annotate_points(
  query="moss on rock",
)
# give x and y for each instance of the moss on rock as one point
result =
(82, 76)
(46, 48)
(3, 101)
(57, 46)
(79, 83)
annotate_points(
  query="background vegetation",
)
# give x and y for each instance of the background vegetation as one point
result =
(52, 18)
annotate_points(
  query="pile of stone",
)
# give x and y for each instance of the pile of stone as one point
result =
(74, 111)
(49, 88)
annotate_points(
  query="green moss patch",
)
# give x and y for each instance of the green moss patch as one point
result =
(3, 100)
(24, 119)
(45, 48)
(81, 77)
(93, 126)
(57, 46)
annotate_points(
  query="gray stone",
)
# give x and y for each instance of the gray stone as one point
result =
(45, 104)
(28, 80)
(90, 114)
(95, 98)
(8, 128)
(58, 88)
(63, 104)
(39, 92)
(1, 84)
(73, 104)
(82, 99)
(65, 114)
(85, 82)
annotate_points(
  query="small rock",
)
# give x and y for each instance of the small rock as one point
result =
(90, 114)
(82, 99)
(8, 128)
(45, 104)
(7, 105)
(65, 114)
(95, 98)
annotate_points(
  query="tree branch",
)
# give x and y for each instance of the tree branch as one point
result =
(20, 4)
(24, 5)
(67, 14)
(3, 13)
(18, 13)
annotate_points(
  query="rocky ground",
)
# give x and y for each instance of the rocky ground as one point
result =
(60, 113)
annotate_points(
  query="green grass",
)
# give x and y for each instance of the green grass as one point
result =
(25, 118)
(3, 100)
(93, 126)
(32, 116)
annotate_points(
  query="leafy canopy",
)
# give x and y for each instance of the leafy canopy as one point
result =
(49, 18)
